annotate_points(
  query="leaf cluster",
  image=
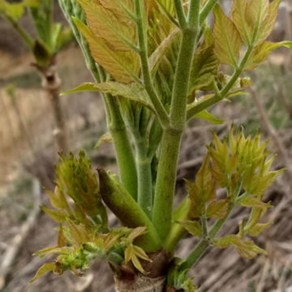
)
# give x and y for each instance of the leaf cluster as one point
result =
(83, 232)
(240, 167)
(249, 25)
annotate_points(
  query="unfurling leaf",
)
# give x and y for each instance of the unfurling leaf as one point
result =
(226, 38)
(110, 22)
(76, 178)
(133, 92)
(245, 248)
(269, 21)
(217, 209)
(45, 268)
(157, 56)
(254, 19)
(134, 254)
(123, 66)
(202, 189)
(205, 115)
(252, 201)
(242, 162)
(57, 215)
(258, 228)
(262, 51)
(62, 241)
(248, 17)
(106, 138)
(136, 232)
(193, 227)
(204, 68)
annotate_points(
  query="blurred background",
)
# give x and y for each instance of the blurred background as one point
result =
(30, 131)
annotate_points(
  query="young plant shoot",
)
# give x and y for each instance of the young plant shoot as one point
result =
(44, 45)
(157, 65)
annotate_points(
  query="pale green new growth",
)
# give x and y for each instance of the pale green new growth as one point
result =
(157, 65)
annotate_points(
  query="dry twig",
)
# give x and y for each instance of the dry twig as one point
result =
(17, 241)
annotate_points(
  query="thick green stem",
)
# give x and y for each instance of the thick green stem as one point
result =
(124, 152)
(181, 82)
(128, 211)
(165, 185)
(177, 230)
(194, 16)
(142, 38)
(170, 144)
(145, 192)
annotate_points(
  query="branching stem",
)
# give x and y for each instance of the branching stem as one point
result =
(143, 51)
(204, 243)
(200, 106)
(180, 13)
(170, 143)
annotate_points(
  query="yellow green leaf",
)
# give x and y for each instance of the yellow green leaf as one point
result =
(252, 201)
(54, 250)
(54, 200)
(193, 227)
(256, 13)
(246, 248)
(133, 254)
(136, 232)
(204, 69)
(107, 20)
(258, 228)
(249, 17)
(269, 21)
(227, 39)
(262, 51)
(205, 115)
(140, 253)
(238, 17)
(117, 7)
(133, 92)
(159, 53)
(45, 268)
(61, 238)
(217, 209)
(57, 215)
(121, 65)
(202, 190)
(106, 138)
